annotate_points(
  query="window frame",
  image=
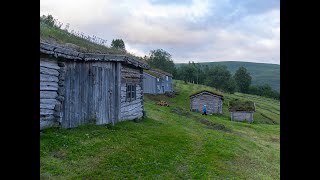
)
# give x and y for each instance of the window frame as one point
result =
(131, 92)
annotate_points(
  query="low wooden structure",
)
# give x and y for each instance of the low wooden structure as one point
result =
(157, 81)
(241, 110)
(77, 87)
(212, 100)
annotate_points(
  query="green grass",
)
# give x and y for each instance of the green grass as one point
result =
(261, 73)
(59, 36)
(170, 143)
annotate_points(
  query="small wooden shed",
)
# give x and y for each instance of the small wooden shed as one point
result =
(157, 82)
(77, 87)
(242, 110)
(212, 100)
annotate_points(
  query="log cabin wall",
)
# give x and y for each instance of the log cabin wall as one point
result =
(133, 108)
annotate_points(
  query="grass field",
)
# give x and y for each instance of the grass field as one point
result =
(170, 143)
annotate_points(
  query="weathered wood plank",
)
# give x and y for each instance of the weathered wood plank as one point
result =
(54, 84)
(47, 106)
(48, 71)
(49, 101)
(48, 94)
(46, 111)
(49, 64)
(48, 88)
(45, 77)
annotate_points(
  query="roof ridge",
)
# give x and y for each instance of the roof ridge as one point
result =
(61, 51)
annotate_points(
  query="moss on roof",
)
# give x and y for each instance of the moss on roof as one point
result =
(209, 91)
(241, 105)
(153, 73)
(161, 71)
(63, 38)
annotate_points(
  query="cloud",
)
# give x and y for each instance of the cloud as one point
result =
(218, 30)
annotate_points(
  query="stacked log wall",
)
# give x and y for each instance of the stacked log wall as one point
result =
(131, 109)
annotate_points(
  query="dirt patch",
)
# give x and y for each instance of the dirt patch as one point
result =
(180, 111)
(171, 94)
(215, 126)
(272, 139)
(59, 155)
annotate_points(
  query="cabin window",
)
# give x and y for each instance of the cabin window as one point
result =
(158, 87)
(158, 79)
(167, 78)
(131, 92)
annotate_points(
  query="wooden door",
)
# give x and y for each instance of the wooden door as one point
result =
(103, 88)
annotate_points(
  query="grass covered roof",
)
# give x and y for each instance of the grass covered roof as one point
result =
(208, 91)
(241, 105)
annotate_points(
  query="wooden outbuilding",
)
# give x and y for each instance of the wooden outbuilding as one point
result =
(212, 100)
(242, 110)
(157, 81)
(76, 87)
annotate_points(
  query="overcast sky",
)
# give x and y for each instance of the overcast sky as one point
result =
(190, 30)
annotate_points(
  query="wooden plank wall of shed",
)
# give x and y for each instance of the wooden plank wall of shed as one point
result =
(87, 96)
(242, 116)
(149, 84)
(214, 104)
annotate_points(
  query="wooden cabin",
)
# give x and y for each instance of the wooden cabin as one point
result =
(157, 82)
(212, 100)
(241, 110)
(76, 87)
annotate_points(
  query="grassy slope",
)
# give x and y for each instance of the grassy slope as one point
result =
(261, 73)
(58, 36)
(168, 145)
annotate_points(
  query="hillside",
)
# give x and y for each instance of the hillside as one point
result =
(261, 73)
(170, 143)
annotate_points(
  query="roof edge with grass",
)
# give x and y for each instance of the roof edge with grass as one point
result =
(241, 105)
(63, 52)
(159, 71)
(207, 91)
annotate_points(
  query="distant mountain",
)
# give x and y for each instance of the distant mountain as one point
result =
(261, 73)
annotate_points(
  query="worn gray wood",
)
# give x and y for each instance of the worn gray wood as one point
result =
(49, 101)
(80, 90)
(62, 52)
(48, 71)
(213, 103)
(48, 78)
(49, 64)
(46, 111)
(134, 109)
(47, 106)
(242, 116)
(49, 88)
(48, 94)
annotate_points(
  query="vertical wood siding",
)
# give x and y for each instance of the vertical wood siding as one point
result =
(91, 92)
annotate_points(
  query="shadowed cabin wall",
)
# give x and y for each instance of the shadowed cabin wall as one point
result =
(51, 92)
(133, 109)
